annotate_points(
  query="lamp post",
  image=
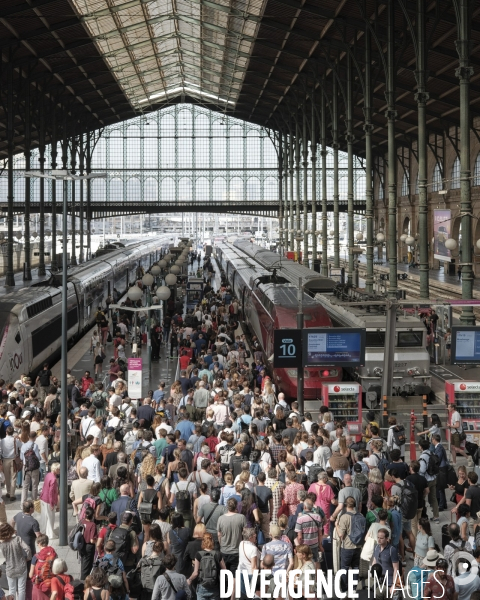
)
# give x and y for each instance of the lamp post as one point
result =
(147, 281)
(65, 176)
(171, 280)
(163, 293)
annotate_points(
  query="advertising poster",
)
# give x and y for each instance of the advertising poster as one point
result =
(135, 377)
(442, 223)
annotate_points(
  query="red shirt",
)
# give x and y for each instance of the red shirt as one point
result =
(102, 534)
(86, 381)
(445, 590)
(184, 362)
(59, 586)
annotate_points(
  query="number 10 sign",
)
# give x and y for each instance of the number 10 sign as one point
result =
(287, 348)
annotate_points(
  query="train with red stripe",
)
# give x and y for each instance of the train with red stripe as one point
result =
(269, 302)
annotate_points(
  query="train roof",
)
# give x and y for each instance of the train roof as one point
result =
(361, 314)
(312, 281)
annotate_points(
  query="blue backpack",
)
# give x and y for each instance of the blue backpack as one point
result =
(254, 469)
(357, 529)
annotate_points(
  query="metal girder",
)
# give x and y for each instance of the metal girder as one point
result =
(173, 35)
(22, 7)
(172, 17)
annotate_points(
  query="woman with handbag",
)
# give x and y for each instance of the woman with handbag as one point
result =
(461, 486)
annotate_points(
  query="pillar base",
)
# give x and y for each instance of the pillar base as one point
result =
(10, 280)
(27, 274)
(73, 261)
(41, 271)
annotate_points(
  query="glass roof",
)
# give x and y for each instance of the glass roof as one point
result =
(160, 49)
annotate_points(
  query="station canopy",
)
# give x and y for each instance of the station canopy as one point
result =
(111, 60)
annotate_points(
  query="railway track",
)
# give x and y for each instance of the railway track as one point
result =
(439, 290)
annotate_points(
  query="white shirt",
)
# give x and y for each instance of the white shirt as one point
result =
(97, 434)
(87, 424)
(321, 456)
(167, 428)
(246, 552)
(92, 464)
(7, 447)
(456, 418)
(221, 413)
(42, 443)
(126, 409)
(115, 400)
(113, 422)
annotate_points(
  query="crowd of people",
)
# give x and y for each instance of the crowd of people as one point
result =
(218, 471)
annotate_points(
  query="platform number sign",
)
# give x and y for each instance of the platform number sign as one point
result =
(287, 348)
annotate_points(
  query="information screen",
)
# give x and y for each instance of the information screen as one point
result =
(287, 348)
(466, 345)
(344, 347)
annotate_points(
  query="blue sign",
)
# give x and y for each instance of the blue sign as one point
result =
(340, 346)
(465, 345)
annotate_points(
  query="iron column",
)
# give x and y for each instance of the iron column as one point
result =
(324, 187)
(464, 72)
(391, 115)
(313, 159)
(300, 322)
(336, 227)
(73, 260)
(298, 189)
(368, 128)
(10, 276)
(421, 97)
(63, 515)
(41, 232)
(27, 271)
(350, 139)
(305, 187)
(53, 152)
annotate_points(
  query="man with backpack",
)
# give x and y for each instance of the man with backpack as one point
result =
(407, 503)
(209, 514)
(309, 530)
(454, 547)
(351, 532)
(111, 564)
(201, 399)
(429, 468)
(182, 496)
(126, 541)
(360, 482)
(264, 501)
(348, 491)
(30, 455)
(396, 437)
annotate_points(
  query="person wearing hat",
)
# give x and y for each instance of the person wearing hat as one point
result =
(418, 576)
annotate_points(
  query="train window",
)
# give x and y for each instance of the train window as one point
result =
(375, 339)
(410, 339)
(293, 373)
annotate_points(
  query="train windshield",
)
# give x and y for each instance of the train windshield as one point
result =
(410, 339)
(375, 339)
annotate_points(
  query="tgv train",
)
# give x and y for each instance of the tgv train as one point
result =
(269, 302)
(30, 318)
(411, 374)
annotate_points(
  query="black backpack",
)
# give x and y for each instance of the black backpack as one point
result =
(121, 537)
(237, 465)
(99, 401)
(433, 465)
(209, 576)
(313, 472)
(110, 568)
(408, 500)
(150, 569)
(183, 500)
(399, 436)
(56, 405)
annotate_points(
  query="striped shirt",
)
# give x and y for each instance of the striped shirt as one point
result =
(309, 524)
(275, 450)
